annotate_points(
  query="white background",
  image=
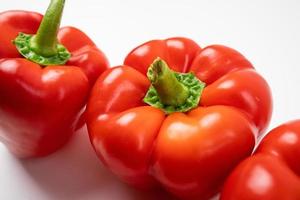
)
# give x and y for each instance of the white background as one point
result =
(266, 32)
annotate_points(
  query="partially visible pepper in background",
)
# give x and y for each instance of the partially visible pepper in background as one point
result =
(273, 172)
(45, 79)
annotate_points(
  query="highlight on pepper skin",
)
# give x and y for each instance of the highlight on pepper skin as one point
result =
(174, 113)
(46, 75)
(272, 173)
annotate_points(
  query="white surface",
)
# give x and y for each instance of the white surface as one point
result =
(266, 32)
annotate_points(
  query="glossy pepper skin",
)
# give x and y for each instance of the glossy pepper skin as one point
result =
(272, 173)
(189, 154)
(40, 105)
(85, 54)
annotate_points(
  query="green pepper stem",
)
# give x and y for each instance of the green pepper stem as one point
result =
(45, 42)
(170, 90)
(43, 48)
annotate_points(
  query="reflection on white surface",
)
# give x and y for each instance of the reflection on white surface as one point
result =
(72, 173)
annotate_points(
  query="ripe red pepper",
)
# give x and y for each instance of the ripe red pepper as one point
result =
(44, 79)
(186, 144)
(273, 172)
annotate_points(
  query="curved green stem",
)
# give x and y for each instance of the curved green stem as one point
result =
(169, 89)
(43, 48)
(45, 40)
(172, 91)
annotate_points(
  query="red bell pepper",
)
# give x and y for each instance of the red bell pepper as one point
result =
(44, 79)
(191, 129)
(273, 172)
